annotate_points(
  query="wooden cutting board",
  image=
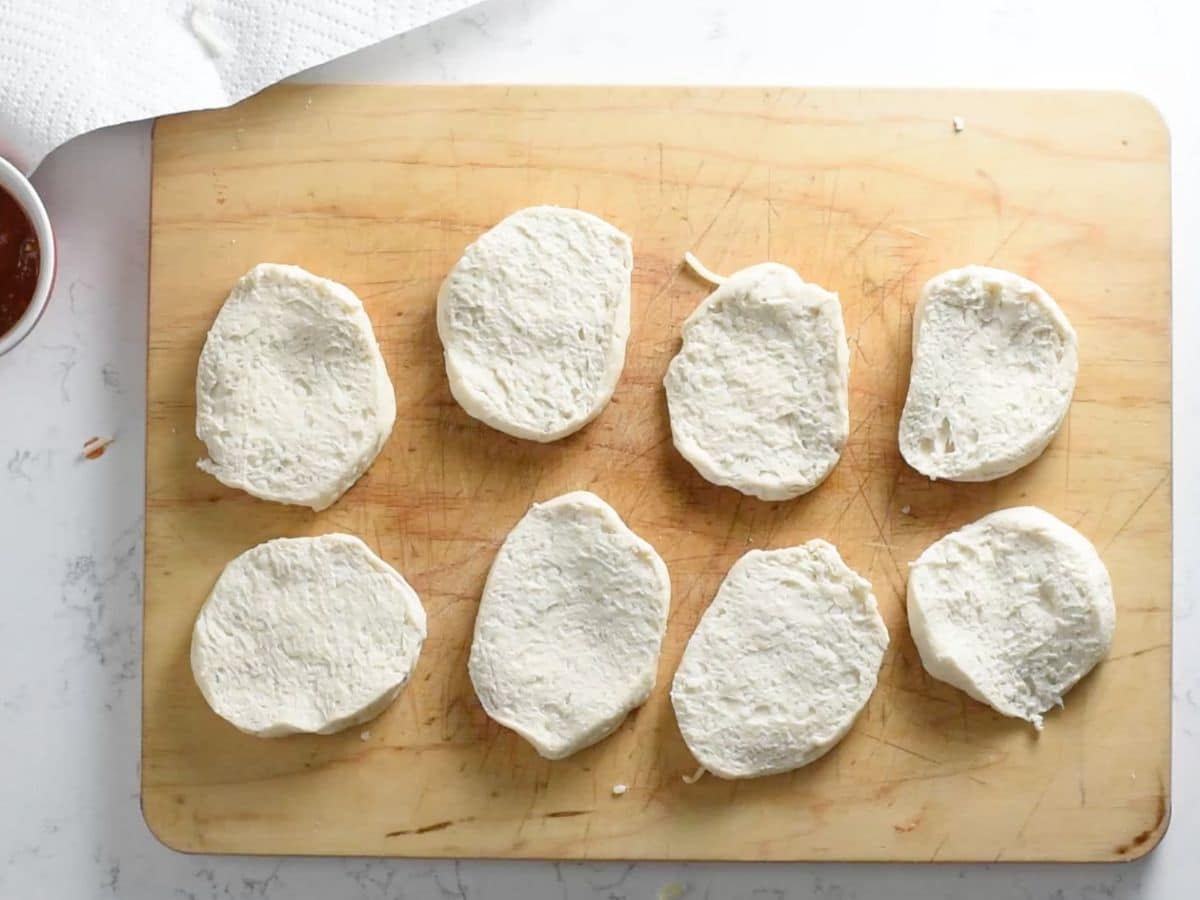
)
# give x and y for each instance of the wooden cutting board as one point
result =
(866, 192)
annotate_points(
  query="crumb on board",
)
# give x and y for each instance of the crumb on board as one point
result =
(694, 777)
(959, 125)
(906, 510)
(619, 789)
(904, 829)
(672, 891)
(702, 271)
(94, 447)
(366, 735)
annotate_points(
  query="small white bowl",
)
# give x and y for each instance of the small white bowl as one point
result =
(17, 186)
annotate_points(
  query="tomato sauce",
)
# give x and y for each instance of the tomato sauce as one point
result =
(20, 260)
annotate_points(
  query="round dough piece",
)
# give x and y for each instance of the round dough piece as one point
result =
(1014, 609)
(533, 321)
(994, 366)
(781, 664)
(570, 625)
(306, 635)
(758, 392)
(293, 399)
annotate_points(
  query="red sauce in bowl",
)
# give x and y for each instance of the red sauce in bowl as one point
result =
(20, 260)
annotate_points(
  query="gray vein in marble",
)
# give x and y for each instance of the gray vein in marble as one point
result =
(70, 354)
(17, 464)
(100, 597)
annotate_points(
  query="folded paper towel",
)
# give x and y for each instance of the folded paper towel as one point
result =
(70, 66)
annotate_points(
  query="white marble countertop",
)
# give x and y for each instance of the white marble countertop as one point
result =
(71, 529)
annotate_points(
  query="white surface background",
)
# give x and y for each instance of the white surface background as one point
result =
(70, 530)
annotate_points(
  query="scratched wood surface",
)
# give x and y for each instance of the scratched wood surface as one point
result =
(865, 192)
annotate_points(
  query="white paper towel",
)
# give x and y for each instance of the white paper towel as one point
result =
(69, 66)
